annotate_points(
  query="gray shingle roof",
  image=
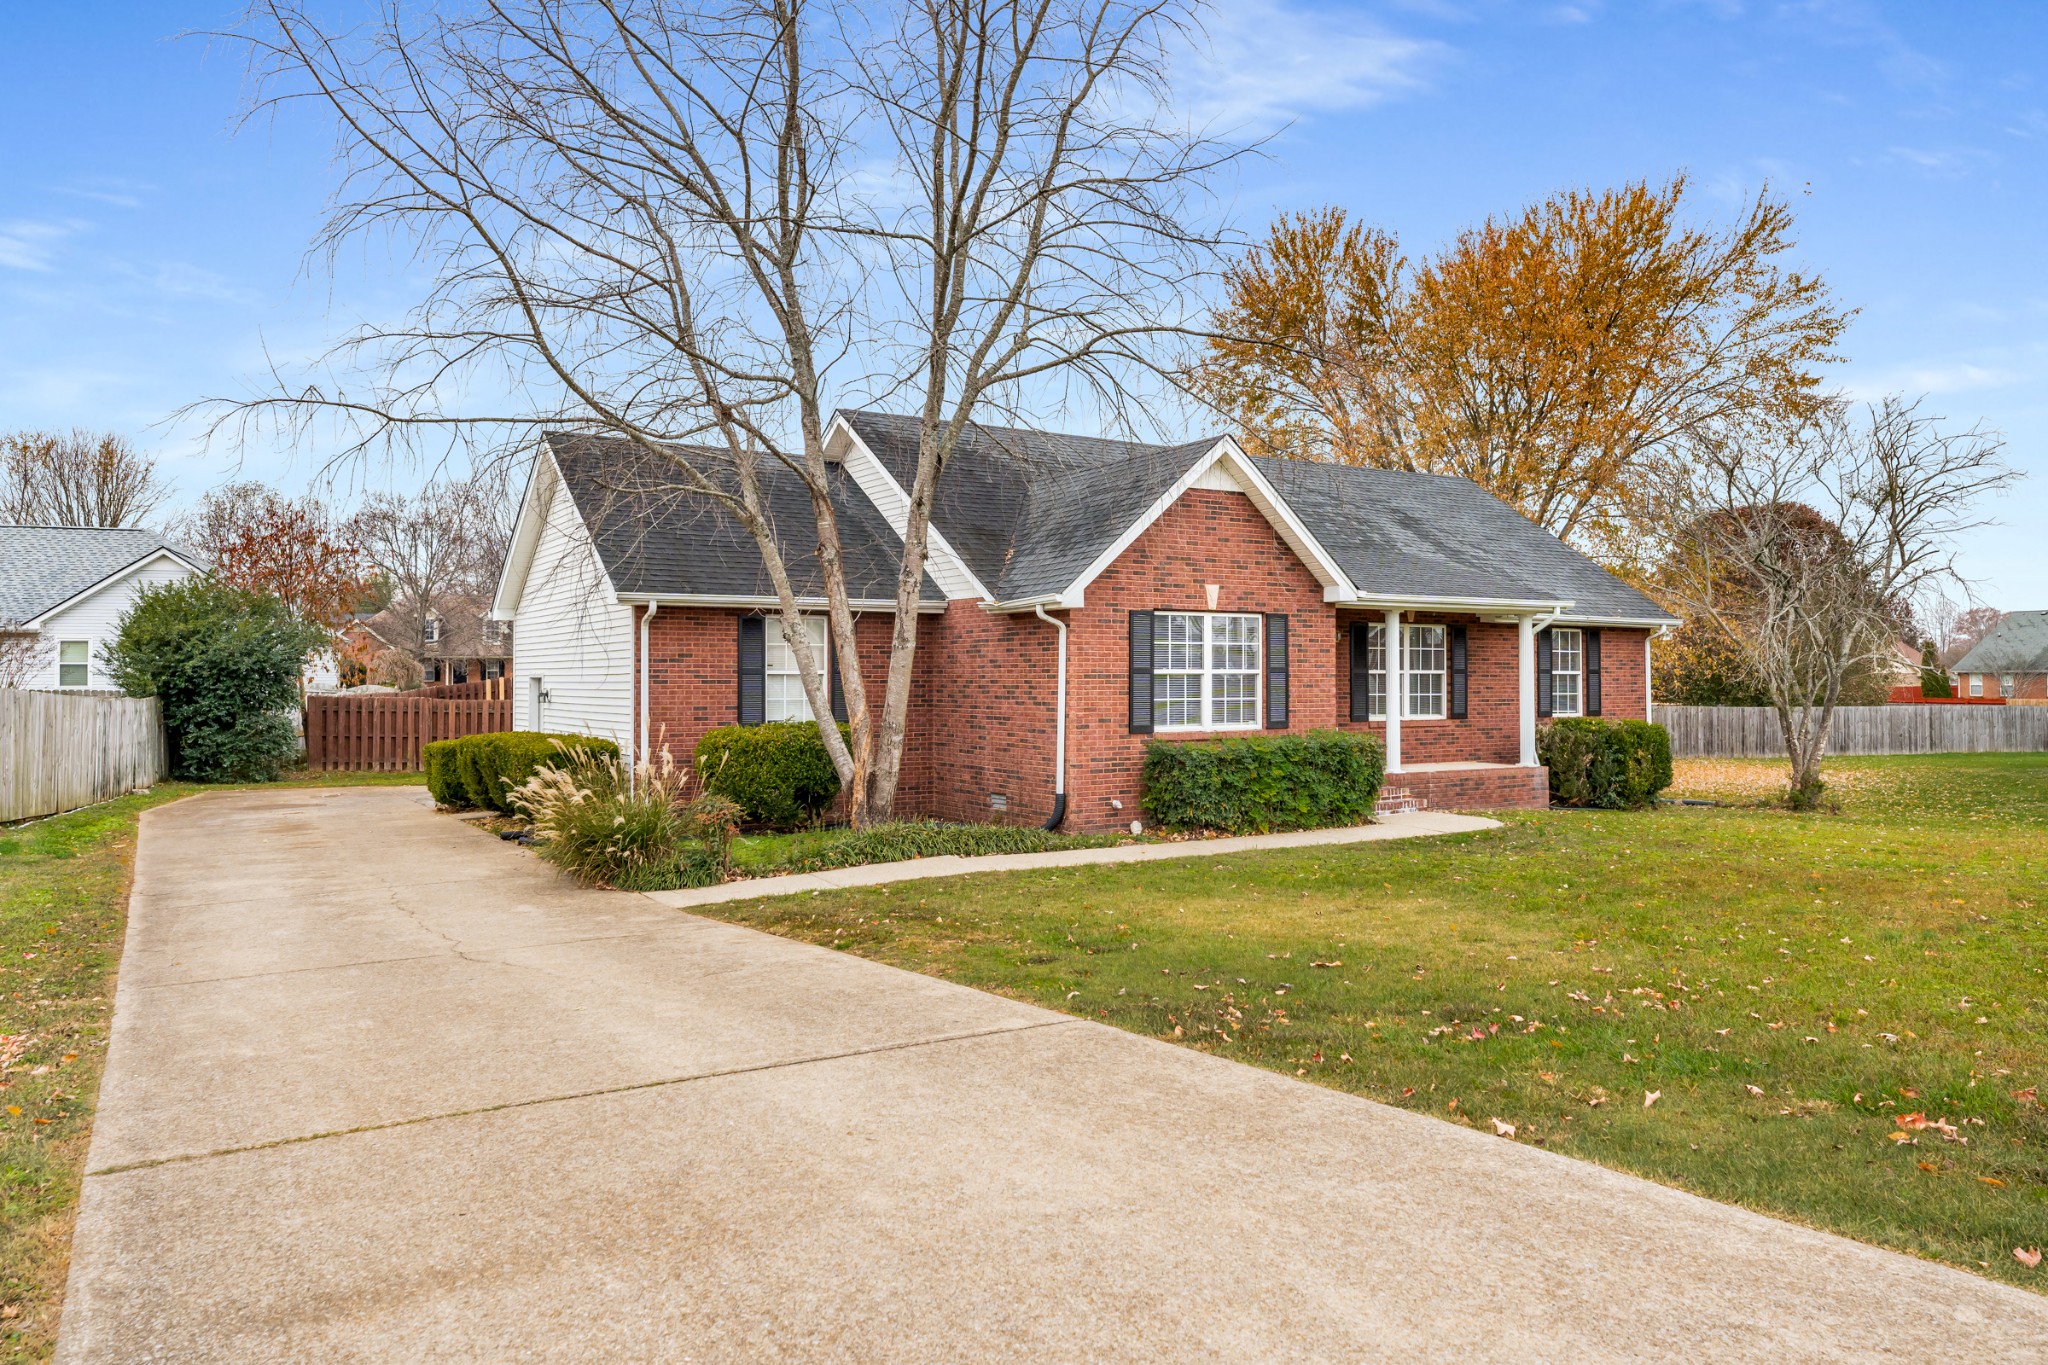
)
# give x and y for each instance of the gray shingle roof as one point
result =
(1030, 510)
(656, 538)
(2017, 644)
(42, 566)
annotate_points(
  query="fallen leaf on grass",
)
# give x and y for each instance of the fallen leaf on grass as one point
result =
(1902, 1138)
(1927, 1166)
(1756, 1090)
(2027, 1256)
(1506, 1130)
(1650, 1097)
(2025, 1096)
(1326, 964)
(1993, 1181)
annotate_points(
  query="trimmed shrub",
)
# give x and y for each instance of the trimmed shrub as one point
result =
(1608, 764)
(1262, 783)
(902, 840)
(779, 773)
(224, 663)
(482, 771)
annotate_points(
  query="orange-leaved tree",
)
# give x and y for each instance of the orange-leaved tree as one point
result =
(1549, 356)
(291, 548)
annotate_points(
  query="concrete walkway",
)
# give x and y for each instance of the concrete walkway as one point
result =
(383, 1088)
(1411, 825)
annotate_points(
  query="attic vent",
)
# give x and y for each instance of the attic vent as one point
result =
(998, 801)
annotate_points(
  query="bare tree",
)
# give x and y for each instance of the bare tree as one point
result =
(445, 542)
(76, 479)
(24, 657)
(692, 223)
(1804, 548)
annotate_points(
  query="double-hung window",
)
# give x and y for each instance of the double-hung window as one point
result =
(74, 663)
(2005, 682)
(1423, 665)
(1567, 671)
(1976, 684)
(1205, 671)
(786, 699)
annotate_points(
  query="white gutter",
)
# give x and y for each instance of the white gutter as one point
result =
(1059, 731)
(646, 681)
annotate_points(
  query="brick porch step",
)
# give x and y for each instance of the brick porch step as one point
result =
(1398, 801)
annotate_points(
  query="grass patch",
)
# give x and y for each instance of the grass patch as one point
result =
(1789, 986)
(63, 911)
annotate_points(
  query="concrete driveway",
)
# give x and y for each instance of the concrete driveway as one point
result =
(383, 1088)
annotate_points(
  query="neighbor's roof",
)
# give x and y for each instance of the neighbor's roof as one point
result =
(46, 566)
(1030, 511)
(2017, 644)
(657, 538)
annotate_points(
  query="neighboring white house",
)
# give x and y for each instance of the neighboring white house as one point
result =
(572, 639)
(68, 586)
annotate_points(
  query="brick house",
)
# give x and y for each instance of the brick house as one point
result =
(2010, 662)
(1083, 598)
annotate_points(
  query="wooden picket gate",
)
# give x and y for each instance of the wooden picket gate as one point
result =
(382, 731)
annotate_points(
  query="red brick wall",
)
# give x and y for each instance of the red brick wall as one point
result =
(1209, 536)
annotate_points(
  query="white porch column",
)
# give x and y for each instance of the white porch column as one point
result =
(1397, 689)
(1526, 632)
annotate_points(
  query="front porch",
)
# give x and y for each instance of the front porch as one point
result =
(1466, 786)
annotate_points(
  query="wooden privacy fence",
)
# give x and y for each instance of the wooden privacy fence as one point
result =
(63, 750)
(488, 689)
(1752, 731)
(383, 732)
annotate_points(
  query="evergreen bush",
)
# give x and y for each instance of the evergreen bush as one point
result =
(779, 773)
(1262, 783)
(482, 771)
(1608, 764)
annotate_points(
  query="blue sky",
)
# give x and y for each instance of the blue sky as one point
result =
(150, 255)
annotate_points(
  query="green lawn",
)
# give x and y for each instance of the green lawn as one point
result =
(1792, 989)
(63, 909)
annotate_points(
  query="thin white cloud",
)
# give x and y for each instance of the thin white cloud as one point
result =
(1940, 377)
(31, 244)
(1268, 62)
(1946, 162)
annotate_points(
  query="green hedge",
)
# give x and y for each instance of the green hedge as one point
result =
(1610, 764)
(902, 840)
(1267, 782)
(779, 773)
(480, 771)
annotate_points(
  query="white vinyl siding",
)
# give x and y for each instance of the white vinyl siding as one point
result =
(570, 640)
(786, 698)
(96, 619)
(1205, 671)
(1567, 671)
(1422, 665)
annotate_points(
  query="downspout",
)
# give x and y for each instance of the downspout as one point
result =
(646, 678)
(1059, 731)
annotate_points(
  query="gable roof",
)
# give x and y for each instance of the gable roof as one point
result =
(1031, 511)
(2017, 644)
(658, 540)
(44, 567)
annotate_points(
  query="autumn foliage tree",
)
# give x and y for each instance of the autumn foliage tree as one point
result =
(293, 549)
(1548, 356)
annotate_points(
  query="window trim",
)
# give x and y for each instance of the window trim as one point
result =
(1976, 684)
(1577, 673)
(1409, 673)
(771, 641)
(2007, 684)
(85, 647)
(430, 631)
(1208, 672)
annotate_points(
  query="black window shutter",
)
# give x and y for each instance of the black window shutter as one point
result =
(1592, 638)
(1141, 672)
(1361, 674)
(1276, 671)
(1543, 682)
(1454, 641)
(753, 670)
(838, 687)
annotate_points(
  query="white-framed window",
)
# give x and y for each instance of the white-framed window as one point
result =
(1205, 671)
(493, 669)
(2005, 682)
(74, 663)
(1376, 673)
(1567, 671)
(430, 633)
(786, 699)
(1976, 684)
(1423, 663)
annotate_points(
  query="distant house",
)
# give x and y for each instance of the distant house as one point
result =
(64, 589)
(2011, 662)
(1084, 597)
(455, 642)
